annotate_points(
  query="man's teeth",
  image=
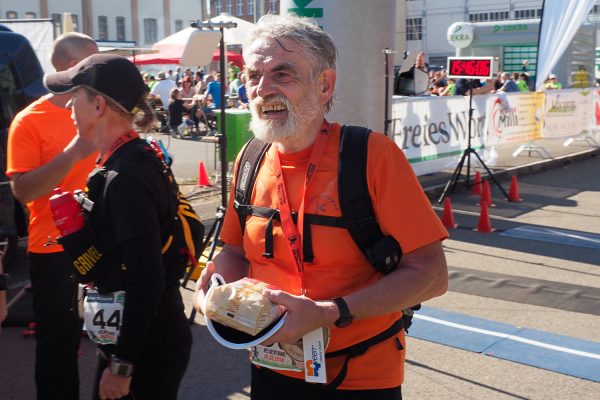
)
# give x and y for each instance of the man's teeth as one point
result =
(273, 107)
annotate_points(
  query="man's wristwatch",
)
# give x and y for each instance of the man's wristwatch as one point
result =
(5, 281)
(345, 318)
(120, 367)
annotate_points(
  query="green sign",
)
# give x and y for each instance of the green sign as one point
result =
(303, 11)
(511, 28)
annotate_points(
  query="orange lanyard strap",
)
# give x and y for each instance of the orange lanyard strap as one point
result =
(290, 231)
(120, 141)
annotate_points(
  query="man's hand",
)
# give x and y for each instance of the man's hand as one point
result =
(31, 185)
(201, 286)
(79, 148)
(232, 265)
(303, 315)
(112, 386)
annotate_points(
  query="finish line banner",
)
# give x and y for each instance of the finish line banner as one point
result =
(433, 131)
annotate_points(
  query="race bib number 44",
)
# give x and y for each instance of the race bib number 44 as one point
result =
(103, 314)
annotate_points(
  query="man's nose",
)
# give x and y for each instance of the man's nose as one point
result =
(265, 87)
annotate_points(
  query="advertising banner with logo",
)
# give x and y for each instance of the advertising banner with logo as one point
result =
(514, 117)
(567, 113)
(434, 131)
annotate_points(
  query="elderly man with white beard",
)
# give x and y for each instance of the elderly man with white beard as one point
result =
(336, 291)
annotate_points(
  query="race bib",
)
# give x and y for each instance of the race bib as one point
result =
(294, 356)
(103, 314)
(281, 356)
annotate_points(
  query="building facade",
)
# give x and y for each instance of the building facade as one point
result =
(141, 21)
(420, 24)
(427, 21)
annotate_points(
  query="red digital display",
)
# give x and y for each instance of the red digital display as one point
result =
(470, 67)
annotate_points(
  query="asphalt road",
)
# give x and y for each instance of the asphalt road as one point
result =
(566, 197)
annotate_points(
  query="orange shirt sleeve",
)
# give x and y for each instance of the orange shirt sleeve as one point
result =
(401, 207)
(28, 156)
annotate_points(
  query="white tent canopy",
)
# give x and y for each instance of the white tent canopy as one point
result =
(233, 35)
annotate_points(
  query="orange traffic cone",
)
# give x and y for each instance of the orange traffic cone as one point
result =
(486, 196)
(447, 216)
(477, 184)
(484, 225)
(202, 176)
(513, 193)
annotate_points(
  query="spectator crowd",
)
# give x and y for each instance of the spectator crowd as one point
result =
(184, 100)
(439, 84)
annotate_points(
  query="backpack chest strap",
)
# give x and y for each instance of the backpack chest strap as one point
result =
(309, 219)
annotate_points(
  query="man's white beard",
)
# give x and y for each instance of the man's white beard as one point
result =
(285, 130)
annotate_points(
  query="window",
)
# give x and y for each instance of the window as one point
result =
(240, 7)
(11, 15)
(150, 30)
(229, 7)
(492, 16)
(29, 15)
(102, 28)
(250, 7)
(479, 17)
(120, 28)
(218, 7)
(525, 14)
(178, 25)
(499, 16)
(414, 29)
(57, 22)
(273, 6)
(75, 19)
(595, 9)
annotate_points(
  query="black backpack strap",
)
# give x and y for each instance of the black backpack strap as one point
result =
(360, 348)
(355, 200)
(246, 174)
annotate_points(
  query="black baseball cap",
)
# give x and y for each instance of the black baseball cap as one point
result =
(113, 76)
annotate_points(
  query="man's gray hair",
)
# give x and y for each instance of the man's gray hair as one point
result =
(318, 44)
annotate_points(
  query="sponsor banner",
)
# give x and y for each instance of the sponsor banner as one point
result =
(513, 117)
(433, 131)
(567, 112)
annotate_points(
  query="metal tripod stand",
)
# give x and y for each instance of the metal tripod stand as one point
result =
(451, 185)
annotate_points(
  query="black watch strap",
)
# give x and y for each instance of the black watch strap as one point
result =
(346, 317)
(120, 367)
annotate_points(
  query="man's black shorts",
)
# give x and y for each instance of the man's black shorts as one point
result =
(269, 385)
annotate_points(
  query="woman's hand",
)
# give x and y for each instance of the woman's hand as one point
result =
(113, 386)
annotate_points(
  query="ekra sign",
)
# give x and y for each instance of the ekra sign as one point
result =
(471, 67)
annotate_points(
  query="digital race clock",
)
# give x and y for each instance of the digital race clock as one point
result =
(470, 67)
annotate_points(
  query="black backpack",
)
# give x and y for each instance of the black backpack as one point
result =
(358, 216)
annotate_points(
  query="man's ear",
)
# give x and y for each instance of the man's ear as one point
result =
(100, 104)
(327, 84)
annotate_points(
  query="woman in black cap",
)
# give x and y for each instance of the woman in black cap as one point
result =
(143, 334)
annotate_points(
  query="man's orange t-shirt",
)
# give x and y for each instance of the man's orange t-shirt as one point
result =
(37, 134)
(339, 267)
